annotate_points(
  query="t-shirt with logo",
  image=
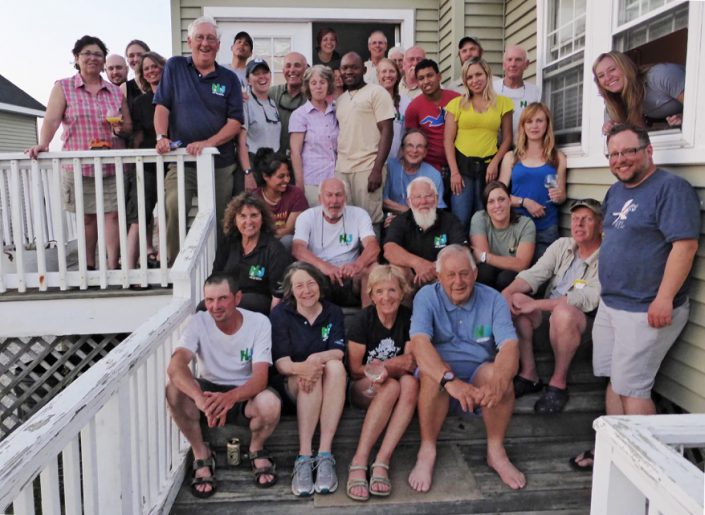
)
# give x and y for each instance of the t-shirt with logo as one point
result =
(426, 244)
(339, 243)
(227, 358)
(640, 224)
(522, 97)
(381, 343)
(294, 337)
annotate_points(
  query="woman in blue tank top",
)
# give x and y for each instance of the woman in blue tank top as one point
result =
(536, 171)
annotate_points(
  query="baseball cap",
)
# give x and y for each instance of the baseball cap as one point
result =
(244, 35)
(590, 203)
(468, 39)
(254, 64)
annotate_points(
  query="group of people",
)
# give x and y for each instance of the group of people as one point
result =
(350, 164)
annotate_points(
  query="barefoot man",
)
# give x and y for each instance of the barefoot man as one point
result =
(466, 348)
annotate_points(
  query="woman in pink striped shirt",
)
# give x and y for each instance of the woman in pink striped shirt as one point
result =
(81, 104)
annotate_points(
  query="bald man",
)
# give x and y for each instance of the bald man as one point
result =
(116, 69)
(289, 96)
(512, 85)
(408, 85)
(377, 45)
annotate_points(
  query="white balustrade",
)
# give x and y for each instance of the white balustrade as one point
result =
(640, 469)
(39, 237)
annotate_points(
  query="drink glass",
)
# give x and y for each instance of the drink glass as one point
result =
(113, 116)
(373, 370)
(550, 182)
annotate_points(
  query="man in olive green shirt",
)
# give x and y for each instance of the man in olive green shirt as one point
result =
(573, 291)
(289, 96)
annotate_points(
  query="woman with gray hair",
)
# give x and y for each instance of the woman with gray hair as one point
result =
(313, 130)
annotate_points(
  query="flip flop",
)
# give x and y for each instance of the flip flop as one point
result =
(585, 455)
(379, 480)
(354, 483)
(208, 480)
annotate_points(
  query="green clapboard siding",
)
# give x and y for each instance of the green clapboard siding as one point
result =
(17, 131)
(520, 29)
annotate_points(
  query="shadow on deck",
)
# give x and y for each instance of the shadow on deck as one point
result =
(463, 483)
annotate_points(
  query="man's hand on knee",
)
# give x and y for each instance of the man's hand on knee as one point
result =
(466, 394)
(217, 406)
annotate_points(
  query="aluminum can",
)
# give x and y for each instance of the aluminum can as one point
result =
(233, 450)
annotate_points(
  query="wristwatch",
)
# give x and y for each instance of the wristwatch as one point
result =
(161, 137)
(247, 171)
(483, 257)
(448, 376)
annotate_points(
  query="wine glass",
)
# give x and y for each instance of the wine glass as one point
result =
(113, 116)
(373, 370)
(550, 182)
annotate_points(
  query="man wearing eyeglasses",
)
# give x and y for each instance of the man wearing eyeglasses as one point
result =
(651, 230)
(415, 237)
(198, 104)
(569, 267)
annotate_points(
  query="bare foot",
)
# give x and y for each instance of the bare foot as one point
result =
(421, 475)
(499, 461)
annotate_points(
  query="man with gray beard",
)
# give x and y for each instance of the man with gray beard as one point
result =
(415, 238)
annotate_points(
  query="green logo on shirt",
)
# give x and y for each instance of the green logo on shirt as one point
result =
(245, 355)
(345, 239)
(218, 89)
(256, 272)
(325, 332)
(482, 333)
(440, 241)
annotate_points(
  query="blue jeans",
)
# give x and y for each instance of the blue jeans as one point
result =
(472, 170)
(544, 238)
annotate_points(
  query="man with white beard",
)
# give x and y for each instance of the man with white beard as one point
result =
(338, 240)
(415, 238)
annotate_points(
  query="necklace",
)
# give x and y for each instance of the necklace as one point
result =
(270, 201)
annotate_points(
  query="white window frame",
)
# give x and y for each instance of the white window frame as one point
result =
(684, 146)
(404, 17)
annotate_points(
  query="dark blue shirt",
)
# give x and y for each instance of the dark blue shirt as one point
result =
(293, 336)
(640, 225)
(199, 106)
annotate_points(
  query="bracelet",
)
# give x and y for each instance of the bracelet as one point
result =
(521, 204)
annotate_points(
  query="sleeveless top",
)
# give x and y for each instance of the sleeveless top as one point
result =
(527, 181)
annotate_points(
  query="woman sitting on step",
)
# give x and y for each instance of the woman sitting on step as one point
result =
(377, 337)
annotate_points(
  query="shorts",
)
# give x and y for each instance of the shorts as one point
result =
(236, 415)
(629, 351)
(68, 191)
(347, 295)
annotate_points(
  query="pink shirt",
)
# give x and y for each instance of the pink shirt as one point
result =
(84, 118)
(320, 141)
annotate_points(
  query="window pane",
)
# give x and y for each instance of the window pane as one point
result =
(563, 91)
(630, 10)
(273, 50)
(652, 29)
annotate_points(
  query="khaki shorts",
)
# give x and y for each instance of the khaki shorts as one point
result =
(629, 351)
(356, 183)
(68, 191)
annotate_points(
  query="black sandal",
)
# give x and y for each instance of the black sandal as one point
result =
(208, 480)
(271, 470)
(583, 456)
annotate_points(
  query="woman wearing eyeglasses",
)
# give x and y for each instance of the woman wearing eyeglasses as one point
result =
(81, 105)
(262, 127)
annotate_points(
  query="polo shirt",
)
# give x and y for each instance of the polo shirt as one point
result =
(426, 244)
(199, 106)
(261, 270)
(464, 335)
(286, 105)
(294, 337)
(398, 180)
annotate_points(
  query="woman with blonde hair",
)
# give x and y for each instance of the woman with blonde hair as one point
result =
(470, 138)
(527, 168)
(378, 334)
(640, 96)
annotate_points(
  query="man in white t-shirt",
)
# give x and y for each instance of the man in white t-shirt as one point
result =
(234, 351)
(338, 240)
(377, 45)
(514, 63)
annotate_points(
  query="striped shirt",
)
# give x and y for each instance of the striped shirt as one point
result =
(84, 118)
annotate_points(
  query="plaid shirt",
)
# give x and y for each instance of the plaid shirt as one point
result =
(84, 118)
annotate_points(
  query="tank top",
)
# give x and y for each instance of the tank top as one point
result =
(527, 181)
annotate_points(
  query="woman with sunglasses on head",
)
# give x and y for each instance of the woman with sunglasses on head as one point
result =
(526, 169)
(262, 127)
(284, 201)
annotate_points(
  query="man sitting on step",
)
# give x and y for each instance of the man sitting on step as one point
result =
(573, 292)
(234, 351)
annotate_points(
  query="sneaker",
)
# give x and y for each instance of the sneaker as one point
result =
(326, 478)
(302, 479)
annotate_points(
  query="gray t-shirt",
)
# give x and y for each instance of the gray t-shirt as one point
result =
(227, 358)
(262, 124)
(503, 242)
(664, 82)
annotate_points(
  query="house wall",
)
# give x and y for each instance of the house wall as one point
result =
(682, 375)
(520, 29)
(17, 131)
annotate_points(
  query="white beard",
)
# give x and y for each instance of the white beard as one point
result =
(424, 220)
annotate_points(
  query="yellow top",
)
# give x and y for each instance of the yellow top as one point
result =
(477, 132)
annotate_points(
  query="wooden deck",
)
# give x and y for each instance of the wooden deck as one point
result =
(539, 445)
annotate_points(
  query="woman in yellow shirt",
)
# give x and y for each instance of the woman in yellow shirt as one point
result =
(472, 125)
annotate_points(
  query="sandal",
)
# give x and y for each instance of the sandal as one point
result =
(208, 480)
(552, 401)
(271, 470)
(585, 455)
(379, 480)
(353, 483)
(524, 386)
(153, 260)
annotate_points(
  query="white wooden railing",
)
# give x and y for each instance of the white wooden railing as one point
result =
(37, 232)
(107, 444)
(640, 469)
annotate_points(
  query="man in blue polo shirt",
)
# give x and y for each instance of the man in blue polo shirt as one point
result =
(467, 351)
(198, 103)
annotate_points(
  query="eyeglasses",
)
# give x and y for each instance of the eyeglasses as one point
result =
(87, 54)
(411, 146)
(200, 38)
(428, 196)
(266, 116)
(627, 152)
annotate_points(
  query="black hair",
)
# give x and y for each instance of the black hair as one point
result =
(641, 133)
(267, 162)
(426, 63)
(139, 42)
(493, 185)
(223, 277)
(83, 42)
